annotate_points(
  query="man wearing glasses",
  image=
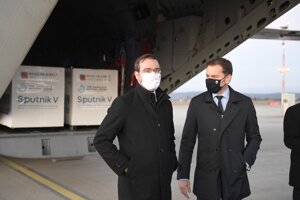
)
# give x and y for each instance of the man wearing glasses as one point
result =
(142, 120)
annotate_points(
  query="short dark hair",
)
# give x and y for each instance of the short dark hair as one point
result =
(141, 59)
(225, 64)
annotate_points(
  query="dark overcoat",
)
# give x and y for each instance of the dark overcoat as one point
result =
(292, 141)
(145, 132)
(221, 146)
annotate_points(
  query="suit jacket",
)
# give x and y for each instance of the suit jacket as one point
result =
(145, 132)
(221, 145)
(292, 140)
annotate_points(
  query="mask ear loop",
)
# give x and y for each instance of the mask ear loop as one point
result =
(223, 79)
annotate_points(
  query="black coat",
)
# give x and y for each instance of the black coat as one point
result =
(292, 141)
(146, 144)
(221, 145)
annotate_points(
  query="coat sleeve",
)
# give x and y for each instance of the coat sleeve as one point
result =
(110, 127)
(253, 136)
(291, 127)
(187, 144)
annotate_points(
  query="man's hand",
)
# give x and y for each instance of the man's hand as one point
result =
(184, 187)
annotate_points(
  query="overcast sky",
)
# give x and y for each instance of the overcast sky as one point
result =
(256, 63)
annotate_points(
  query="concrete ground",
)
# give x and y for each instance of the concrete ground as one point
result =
(90, 177)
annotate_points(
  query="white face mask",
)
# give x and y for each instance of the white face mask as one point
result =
(150, 81)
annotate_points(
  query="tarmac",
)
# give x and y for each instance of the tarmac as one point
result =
(90, 178)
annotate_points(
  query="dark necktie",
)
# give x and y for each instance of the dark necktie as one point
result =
(220, 103)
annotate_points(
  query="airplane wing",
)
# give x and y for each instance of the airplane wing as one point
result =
(277, 34)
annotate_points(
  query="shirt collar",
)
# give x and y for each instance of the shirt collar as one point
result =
(225, 94)
(159, 94)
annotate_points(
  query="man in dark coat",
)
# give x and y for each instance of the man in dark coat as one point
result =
(142, 120)
(291, 128)
(221, 119)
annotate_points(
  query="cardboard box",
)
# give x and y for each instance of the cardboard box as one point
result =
(34, 98)
(89, 93)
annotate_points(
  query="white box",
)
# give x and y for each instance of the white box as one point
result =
(35, 98)
(89, 93)
(287, 100)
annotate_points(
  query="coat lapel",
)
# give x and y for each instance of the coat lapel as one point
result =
(150, 110)
(149, 106)
(232, 109)
(209, 100)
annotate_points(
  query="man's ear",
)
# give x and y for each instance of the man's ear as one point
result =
(228, 78)
(137, 76)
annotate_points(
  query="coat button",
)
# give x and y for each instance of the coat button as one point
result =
(214, 129)
(217, 149)
(229, 149)
(158, 124)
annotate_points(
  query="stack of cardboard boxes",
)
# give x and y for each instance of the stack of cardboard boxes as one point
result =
(40, 97)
